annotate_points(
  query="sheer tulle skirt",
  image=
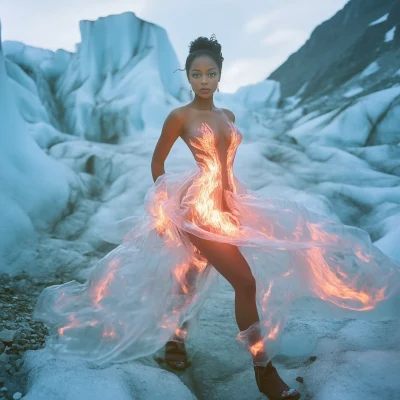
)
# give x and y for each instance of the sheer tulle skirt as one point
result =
(141, 293)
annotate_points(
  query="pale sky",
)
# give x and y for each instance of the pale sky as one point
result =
(256, 35)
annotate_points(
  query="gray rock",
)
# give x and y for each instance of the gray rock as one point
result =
(9, 368)
(7, 336)
(19, 363)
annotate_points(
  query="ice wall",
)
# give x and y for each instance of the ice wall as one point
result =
(34, 187)
(122, 72)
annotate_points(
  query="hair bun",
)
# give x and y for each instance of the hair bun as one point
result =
(203, 43)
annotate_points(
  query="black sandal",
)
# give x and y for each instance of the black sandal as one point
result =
(175, 355)
(271, 384)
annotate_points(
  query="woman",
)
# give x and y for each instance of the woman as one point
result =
(142, 295)
(203, 68)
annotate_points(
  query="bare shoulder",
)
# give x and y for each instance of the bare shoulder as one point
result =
(174, 121)
(178, 114)
(229, 113)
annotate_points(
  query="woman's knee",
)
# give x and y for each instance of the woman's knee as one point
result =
(246, 285)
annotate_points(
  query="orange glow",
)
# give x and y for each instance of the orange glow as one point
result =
(207, 202)
(170, 321)
(320, 235)
(267, 230)
(101, 289)
(74, 323)
(273, 333)
(181, 333)
(235, 141)
(162, 220)
(180, 273)
(328, 286)
(298, 232)
(362, 256)
(265, 298)
(109, 333)
(257, 348)
(198, 261)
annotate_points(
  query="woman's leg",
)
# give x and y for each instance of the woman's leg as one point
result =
(230, 263)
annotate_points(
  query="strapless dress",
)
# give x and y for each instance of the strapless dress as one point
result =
(142, 292)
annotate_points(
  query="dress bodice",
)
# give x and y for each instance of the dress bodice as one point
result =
(215, 153)
(205, 198)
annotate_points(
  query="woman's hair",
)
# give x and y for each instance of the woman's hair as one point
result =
(204, 46)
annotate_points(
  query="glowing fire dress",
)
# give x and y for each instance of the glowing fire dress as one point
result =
(142, 292)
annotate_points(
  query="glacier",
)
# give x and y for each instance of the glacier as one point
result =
(35, 187)
(77, 133)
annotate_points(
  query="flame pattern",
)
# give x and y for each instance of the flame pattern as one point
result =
(149, 287)
(206, 203)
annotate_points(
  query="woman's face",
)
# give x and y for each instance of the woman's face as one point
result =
(204, 74)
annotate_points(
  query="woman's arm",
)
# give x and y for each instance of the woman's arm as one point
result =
(171, 130)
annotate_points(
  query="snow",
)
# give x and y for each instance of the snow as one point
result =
(371, 118)
(75, 156)
(35, 188)
(380, 20)
(389, 242)
(371, 69)
(70, 379)
(389, 36)
(353, 92)
(302, 89)
(49, 62)
(260, 95)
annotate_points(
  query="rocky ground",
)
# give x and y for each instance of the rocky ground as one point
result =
(18, 332)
